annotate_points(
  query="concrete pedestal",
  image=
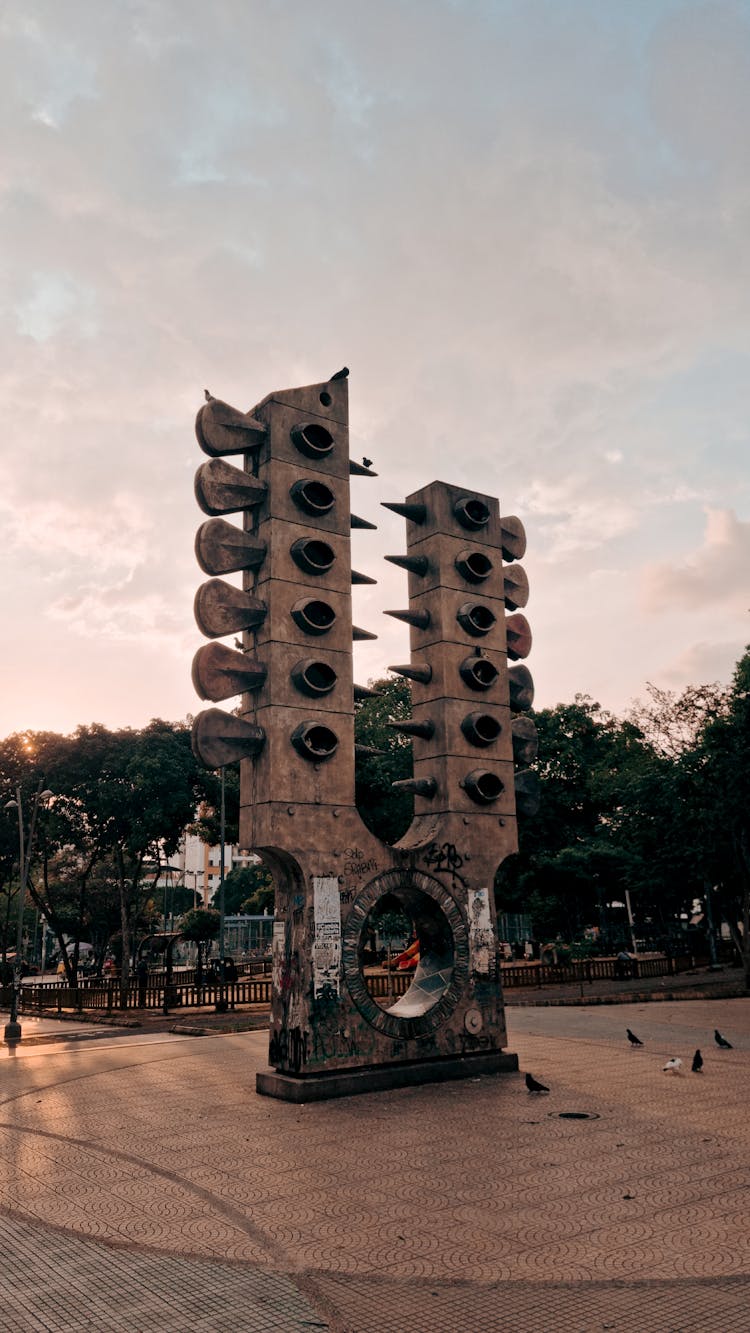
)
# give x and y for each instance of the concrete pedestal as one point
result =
(347, 1083)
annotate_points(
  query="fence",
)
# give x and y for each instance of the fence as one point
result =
(254, 985)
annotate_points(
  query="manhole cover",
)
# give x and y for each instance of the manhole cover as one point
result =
(577, 1115)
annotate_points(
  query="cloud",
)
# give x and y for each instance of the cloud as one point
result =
(715, 574)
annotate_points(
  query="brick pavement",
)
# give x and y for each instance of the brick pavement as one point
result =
(462, 1206)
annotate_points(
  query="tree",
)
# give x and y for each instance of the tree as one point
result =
(387, 813)
(248, 889)
(122, 802)
(720, 767)
(201, 925)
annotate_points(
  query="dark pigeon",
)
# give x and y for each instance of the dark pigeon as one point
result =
(533, 1085)
(697, 1065)
(722, 1041)
(634, 1041)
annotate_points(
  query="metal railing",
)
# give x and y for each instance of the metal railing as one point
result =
(183, 991)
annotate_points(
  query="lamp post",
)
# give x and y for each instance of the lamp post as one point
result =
(13, 1027)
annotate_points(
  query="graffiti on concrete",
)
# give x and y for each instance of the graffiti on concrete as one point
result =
(445, 857)
(326, 951)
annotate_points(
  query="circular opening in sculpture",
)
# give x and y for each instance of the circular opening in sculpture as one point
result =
(313, 616)
(314, 557)
(402, 1003)
(412, 940)
(313, 440)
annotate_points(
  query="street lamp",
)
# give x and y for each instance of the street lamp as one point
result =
(13, 1027)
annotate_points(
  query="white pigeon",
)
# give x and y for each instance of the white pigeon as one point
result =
(673, 1066)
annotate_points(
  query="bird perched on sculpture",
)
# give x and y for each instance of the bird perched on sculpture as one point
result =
(697, 1065)
(722, 1041)
(673, 1065)
(533, 1085)
(634, 1041)
(340, 374)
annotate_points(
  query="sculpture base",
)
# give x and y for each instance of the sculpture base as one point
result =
(349, 1082)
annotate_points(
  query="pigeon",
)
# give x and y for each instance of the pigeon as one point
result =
(673, 1065)
(722, 1041)
(634, 1041)
(367, 462)
(697, 1065)
(208, 396)
(533, 1086)
(340, 374)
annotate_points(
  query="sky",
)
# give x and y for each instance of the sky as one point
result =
(522, 225)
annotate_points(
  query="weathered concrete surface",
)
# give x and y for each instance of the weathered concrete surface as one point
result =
(463, 1205)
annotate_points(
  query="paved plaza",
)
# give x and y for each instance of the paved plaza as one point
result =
(145, 1186)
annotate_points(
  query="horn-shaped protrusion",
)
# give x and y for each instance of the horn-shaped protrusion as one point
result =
(419, 619)
(220, 738)
(416, 513)
(527, 792)
(512, 538)
(424, 730)
(222, 548)
(312, 555)
(220, 672)
(359, 635)
(417, 786)
(481, 729)
(515, 586)
(363, 692)
(314, 678)
(361, 578)
(483, 786)
(314, 741)
(313, 616)
(313, 440)
(223, 489)
(312, 496)
(419, 671)
(416, 564)
(356, 522)
(357, 470)
(525, 740)
(518, 631)
(472, 513)
(521, 688)
(368, 751)
(474, 566)
(221, 429)
(476, 618)
(479, 673)
(221, 608)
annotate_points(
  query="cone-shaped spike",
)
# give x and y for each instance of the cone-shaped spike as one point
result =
(525, 740)
(521, 688)
(527, 792)
(356, 522)
(221, 738)
(419, 786)
(361, 692)
(416, 564)
(222, 548)
(221, 608)
(512, 538)
(220, 672)
(419, 671)
(518, 633)
(357, 470)
(222, 429)
(419, 619)
(416, 513)
(361, 578)
(425, 730)
(515, 586)
(223, 489)
(359, 634)
(362, 751)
